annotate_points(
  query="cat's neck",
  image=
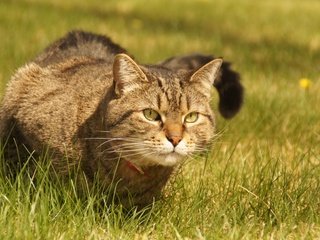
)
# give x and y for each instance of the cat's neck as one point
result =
(131, 171)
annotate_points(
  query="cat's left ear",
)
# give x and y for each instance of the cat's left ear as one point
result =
(127, 74)
(206, 75)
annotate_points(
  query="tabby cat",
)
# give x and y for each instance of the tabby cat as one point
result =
(87, 101)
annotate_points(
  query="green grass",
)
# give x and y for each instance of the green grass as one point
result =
(261, 178)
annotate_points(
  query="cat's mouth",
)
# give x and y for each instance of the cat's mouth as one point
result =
(166, 155)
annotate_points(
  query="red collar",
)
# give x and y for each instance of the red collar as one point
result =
(137, 169)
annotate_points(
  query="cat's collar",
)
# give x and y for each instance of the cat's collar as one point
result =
(136, 168)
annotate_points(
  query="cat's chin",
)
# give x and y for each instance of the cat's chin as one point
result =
(168, 160)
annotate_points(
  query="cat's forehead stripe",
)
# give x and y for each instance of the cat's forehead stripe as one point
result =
(172, 90)
(159, 101)
(160, 81)
(179, 95)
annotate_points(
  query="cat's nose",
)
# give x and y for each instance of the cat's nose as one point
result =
(174, 140)
(173, 131)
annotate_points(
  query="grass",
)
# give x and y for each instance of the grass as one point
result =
(260, 180)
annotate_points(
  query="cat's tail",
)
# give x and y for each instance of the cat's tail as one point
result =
(228, 83)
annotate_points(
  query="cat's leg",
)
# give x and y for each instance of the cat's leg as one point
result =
(13, 152)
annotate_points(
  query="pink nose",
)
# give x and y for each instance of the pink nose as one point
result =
(174, 140)
(173, 131)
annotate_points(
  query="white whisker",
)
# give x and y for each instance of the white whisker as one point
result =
(127, 151)
(118, 139)
(126, 146)
(142, 154)
(119, 149)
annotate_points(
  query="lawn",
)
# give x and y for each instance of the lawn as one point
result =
(260, 179)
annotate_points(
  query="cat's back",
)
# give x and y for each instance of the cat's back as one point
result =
(79, 44)
(75, 66)
(79, 76)
(62, 87)
(38, 99)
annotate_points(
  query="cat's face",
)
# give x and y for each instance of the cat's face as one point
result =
(159, 117)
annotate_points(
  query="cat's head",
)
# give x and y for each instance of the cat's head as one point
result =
(159, 117)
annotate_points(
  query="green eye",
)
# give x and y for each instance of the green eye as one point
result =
(191, 117)
(151, 115)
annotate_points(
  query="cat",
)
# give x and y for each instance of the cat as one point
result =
(87, 101)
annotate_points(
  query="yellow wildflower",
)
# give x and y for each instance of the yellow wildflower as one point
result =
(305, 83)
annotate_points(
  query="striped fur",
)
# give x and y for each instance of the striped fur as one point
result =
(84, 99)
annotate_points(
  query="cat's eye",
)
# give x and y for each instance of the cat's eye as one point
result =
(151, 115)
(191, 117)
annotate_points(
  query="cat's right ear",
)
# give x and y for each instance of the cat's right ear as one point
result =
(206, 75)
(127, 75)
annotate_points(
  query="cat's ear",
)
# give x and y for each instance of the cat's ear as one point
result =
(127, 74)
(206, 75)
